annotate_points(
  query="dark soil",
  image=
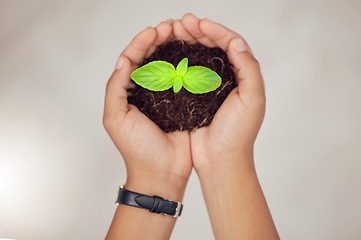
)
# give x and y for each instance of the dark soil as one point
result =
(184, 110)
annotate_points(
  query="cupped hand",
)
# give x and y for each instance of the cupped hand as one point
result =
(148, 152)
(233, 131)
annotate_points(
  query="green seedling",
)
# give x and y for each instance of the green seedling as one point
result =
(161, 75)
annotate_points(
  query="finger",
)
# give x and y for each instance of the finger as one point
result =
(116, 101)
(246, 67)
(163, 34)
(171, 37)
(181, 33)
(219, 34)
(139, 46)
(164, 31)
(191, 25)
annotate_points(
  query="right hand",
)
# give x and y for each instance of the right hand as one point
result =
(231, 135)
(222, 153)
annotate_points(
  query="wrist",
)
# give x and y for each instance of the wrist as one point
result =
(211, 164)
(216, 170)
(168, 186)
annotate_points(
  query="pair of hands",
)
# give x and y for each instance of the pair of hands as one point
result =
(148, 152)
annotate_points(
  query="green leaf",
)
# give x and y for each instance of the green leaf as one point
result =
(155, 76)
(178, 84)
(182, 67)
(161, 75)
(200, 79)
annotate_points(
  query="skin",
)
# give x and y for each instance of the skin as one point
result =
(222, 153)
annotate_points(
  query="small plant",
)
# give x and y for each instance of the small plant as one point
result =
(161, 75)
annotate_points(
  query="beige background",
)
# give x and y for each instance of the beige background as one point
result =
(59, 171)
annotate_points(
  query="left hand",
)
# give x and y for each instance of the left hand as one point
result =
(151, 156)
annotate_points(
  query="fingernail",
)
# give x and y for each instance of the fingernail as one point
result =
(240, 45)
(119, 63)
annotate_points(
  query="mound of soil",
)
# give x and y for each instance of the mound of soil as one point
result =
(184, 110)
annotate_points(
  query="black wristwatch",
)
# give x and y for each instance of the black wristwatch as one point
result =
(154, 204)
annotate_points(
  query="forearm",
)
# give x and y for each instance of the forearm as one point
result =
(235, 201)
(134, 223)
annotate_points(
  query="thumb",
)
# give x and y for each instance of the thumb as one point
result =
(116, 101)
(246, 67)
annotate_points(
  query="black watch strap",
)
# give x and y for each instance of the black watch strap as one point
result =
(154, 204)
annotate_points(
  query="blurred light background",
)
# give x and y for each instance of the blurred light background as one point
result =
(59, 171)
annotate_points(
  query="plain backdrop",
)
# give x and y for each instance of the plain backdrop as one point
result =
(59, 171)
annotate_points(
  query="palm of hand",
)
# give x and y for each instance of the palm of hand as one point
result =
(143, 145)
(150, 149)
(236, 124)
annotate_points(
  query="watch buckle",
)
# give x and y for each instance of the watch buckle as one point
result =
(116, 200)
(178, 210)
